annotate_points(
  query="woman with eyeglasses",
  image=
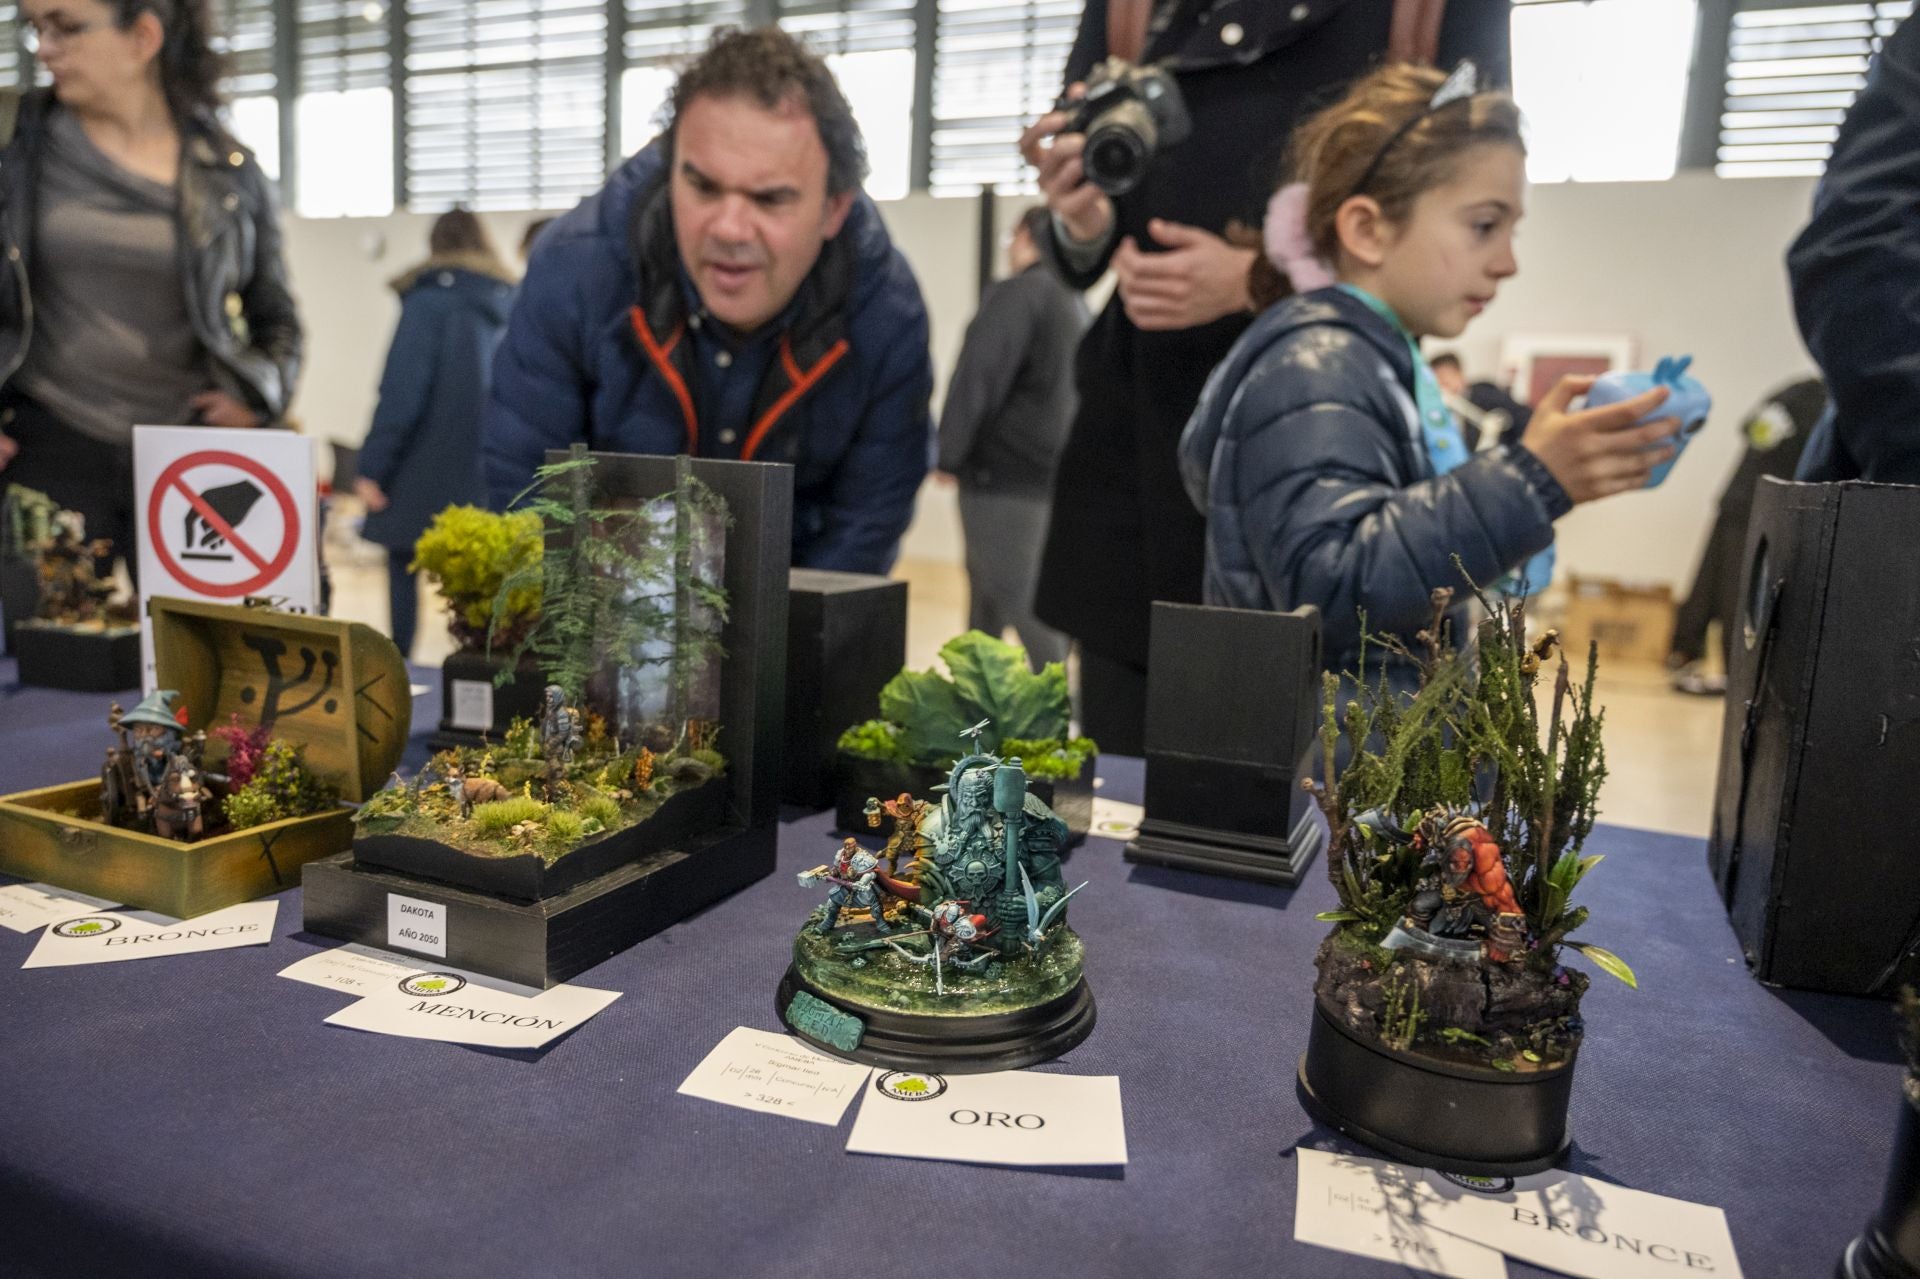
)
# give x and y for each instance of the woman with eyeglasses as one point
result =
(142, 281)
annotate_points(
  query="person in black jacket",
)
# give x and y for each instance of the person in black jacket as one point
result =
(1005, 422)
(1854, 269)
(143, 280)
(1322, 452)
(422, 453)
(1123, 532)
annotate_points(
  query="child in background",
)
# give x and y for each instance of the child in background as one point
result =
(1327, 463)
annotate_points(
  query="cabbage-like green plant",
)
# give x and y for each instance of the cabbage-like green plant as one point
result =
(470, 553)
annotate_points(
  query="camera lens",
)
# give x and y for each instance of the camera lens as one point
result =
(1116, 159)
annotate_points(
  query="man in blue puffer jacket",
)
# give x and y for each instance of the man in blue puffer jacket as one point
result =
(730, 293)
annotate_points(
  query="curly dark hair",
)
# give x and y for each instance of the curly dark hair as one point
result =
(190, 70)
(770, 67)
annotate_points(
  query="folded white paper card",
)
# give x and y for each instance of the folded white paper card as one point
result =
(25, 907)
(1013, 1117)
(1115, 820)
(1384, 1211)
(109, 937)
(1589, 1228)
(777, 1074)
(446, 1005)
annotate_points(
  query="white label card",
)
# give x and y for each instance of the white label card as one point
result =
(444, 1005)
(361, 970)
(25, 907)
(1115, 820)
(1016, 1117)
(1590, 1228)
(777, 1075)
(1381, 1210)
(416, 925)
(109, 937)
(472, 704)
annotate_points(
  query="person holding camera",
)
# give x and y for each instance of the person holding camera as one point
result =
(1159, 166)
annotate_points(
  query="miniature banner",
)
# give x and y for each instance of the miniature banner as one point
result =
(109, 937)
(25, 907)
(1014, 1117)
(1384, 1211)
(1589, 1228)
(777, 1075)
(448, 1006)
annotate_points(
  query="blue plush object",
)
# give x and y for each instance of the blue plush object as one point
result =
(1689, 402)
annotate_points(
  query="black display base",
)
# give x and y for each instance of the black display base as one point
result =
(1231, 853)
(19, 594)
(542, 943)
(78, 660)
(953, 1045)
(1481, 1123)
(846, 637)
(528, 877)
(1891, 1247)
(518, 698)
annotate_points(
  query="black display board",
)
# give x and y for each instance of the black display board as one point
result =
(846, 637)
(1821, 747)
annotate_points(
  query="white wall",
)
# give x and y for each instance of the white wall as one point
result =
(1689, 265)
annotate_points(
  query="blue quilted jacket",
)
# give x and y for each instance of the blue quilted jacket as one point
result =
(1306, 456)
(597, 350)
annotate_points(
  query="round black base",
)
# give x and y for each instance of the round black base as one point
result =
(953, 1045)
(1872, 1257)
(1483, 1123)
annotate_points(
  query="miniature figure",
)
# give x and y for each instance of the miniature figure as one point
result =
(178, 807)
(906, 840)
(71, 589)
(991, 979)
(1445, 1027)
(560, 737)
(468, 791)
(853, 879)
(136, 769)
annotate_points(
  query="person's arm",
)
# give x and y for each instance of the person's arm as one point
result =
(538, 397)
(871, 502)
(273, 321)
(1855, 266)
(405, 389)
(1002, 332)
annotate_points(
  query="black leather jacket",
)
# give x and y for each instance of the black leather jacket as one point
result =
(232, 274)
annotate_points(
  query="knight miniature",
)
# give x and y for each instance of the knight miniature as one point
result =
(854, 876)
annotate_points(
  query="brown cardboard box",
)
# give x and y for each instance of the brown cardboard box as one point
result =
(1631, 622)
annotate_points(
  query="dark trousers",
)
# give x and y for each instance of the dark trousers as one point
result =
(77, 471)
(1113, 704)
(403, 602)
(1004, 533)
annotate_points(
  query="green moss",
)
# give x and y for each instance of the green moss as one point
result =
(470, 553)
(601, 809)
(501, 816)
(712, 759)
(875, 739)
(564, 829)
(887, 980)
(1051, 759)
(282, 787)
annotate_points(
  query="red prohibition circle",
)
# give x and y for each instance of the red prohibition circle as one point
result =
(290, 523)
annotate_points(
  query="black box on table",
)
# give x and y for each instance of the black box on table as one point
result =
(846, 637)
(1233, 696)
(1822, 739)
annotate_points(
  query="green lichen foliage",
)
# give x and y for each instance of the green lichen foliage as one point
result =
(470, 553)
(281, 787)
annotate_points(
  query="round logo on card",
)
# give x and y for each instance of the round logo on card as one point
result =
(86, 926)
(910, 1085)
(1480, 1185)
(432, 983)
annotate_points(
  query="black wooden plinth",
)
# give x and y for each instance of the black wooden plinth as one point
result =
(1230, 853)
(952, 1045)
(1891, 1247)
(846, 637)
(78, 660)
(518, 698)
(542, 943)
(1482, 1123)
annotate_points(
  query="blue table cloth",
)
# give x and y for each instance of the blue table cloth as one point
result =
(193, 1115)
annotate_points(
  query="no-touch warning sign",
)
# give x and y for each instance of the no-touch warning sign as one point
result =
(222, 524)
(225, 514)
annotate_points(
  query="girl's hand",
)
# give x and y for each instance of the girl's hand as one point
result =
(217, 408)
(1597, 453)
(370, 493)
(1082, 207)
(1201, 279)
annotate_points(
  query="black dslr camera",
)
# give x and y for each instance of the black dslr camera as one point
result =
(1128, 114)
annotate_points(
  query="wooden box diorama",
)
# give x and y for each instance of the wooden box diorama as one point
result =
(649, 786)
(1224, 755)
(57, 598)
(320, 703)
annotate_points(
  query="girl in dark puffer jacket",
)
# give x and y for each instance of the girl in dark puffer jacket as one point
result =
(1329, 468)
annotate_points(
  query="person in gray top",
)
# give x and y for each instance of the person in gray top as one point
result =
(1008, 407)
(142, 280)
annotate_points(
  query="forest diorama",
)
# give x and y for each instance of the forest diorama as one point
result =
(1456, 828)
(630, 610)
